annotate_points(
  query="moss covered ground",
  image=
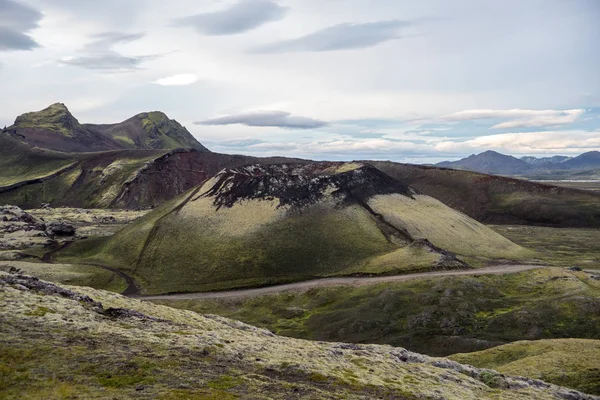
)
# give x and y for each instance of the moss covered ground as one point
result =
(56, 343)
(557, 246)
(567, 362)
(69, 274)
(19, 162)
(94, 181)
(434, 316)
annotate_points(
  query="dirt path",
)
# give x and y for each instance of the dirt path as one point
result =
(305, 285)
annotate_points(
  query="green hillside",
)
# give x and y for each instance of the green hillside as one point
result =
(91, 180)
(500, 200)
(567, 362)
(152, 130)
(438, 316)
(262, 225)
(20, 162)
(61, 342)
(55, 128)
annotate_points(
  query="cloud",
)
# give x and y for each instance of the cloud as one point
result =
(177, 80)
(280, 119)
(99, 54)
(543, 142)
(241, 17)
(340, 37)
(16, 22)
(519, 118)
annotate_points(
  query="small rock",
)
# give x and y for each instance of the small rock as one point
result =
(60, 229)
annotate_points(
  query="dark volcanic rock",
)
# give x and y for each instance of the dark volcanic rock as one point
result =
(60, 229)
(299, 185)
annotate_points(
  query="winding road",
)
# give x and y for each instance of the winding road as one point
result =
(352, 281)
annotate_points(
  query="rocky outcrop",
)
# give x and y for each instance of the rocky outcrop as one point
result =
(19, 229)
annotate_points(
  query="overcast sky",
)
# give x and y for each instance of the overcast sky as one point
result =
(416, 81)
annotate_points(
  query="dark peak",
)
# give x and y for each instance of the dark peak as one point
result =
(590, 154)
(299, 185)
(492, 153)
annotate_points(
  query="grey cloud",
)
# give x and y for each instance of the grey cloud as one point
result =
(17, 20)
(279, 119)
(241, 17)
(239, 143)
(340, 37)
(99, 55)
(106, 40)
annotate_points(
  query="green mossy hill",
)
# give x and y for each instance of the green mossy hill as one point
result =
(20, 162)
(121, 179)
(55, 128)
(262, 225)
(573, 363)
(56, 117)
(501, 200)
(439, 316)
(151, 130)
(65, 342)
(91, 180)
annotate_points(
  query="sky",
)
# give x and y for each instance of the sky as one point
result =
(394, 80)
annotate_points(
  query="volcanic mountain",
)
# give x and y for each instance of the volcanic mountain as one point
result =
(265, 224)
(55, 128)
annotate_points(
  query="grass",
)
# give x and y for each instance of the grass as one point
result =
(436, 317)
(573, 363)
(70, 274)
(19, 162)
(500, 200)
(428, 218)
(95, 182)
(557, 246)
(78, 352)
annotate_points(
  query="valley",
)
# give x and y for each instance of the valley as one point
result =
(117, 261)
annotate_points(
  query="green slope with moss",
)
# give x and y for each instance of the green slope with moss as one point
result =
(20, 162)
(66, 342)
(501, 200)
(263, 225)
(434, 316)
(92, 180)
(151, 130)
(573, 363)
(55, 128)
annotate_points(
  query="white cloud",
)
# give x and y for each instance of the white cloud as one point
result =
(518, 118)
(543, 142)
(177, 80)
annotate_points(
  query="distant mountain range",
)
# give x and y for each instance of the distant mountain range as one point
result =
(491, 162)
(55, 128)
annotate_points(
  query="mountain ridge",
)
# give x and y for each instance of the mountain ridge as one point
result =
(492, 162)
(55, 128)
